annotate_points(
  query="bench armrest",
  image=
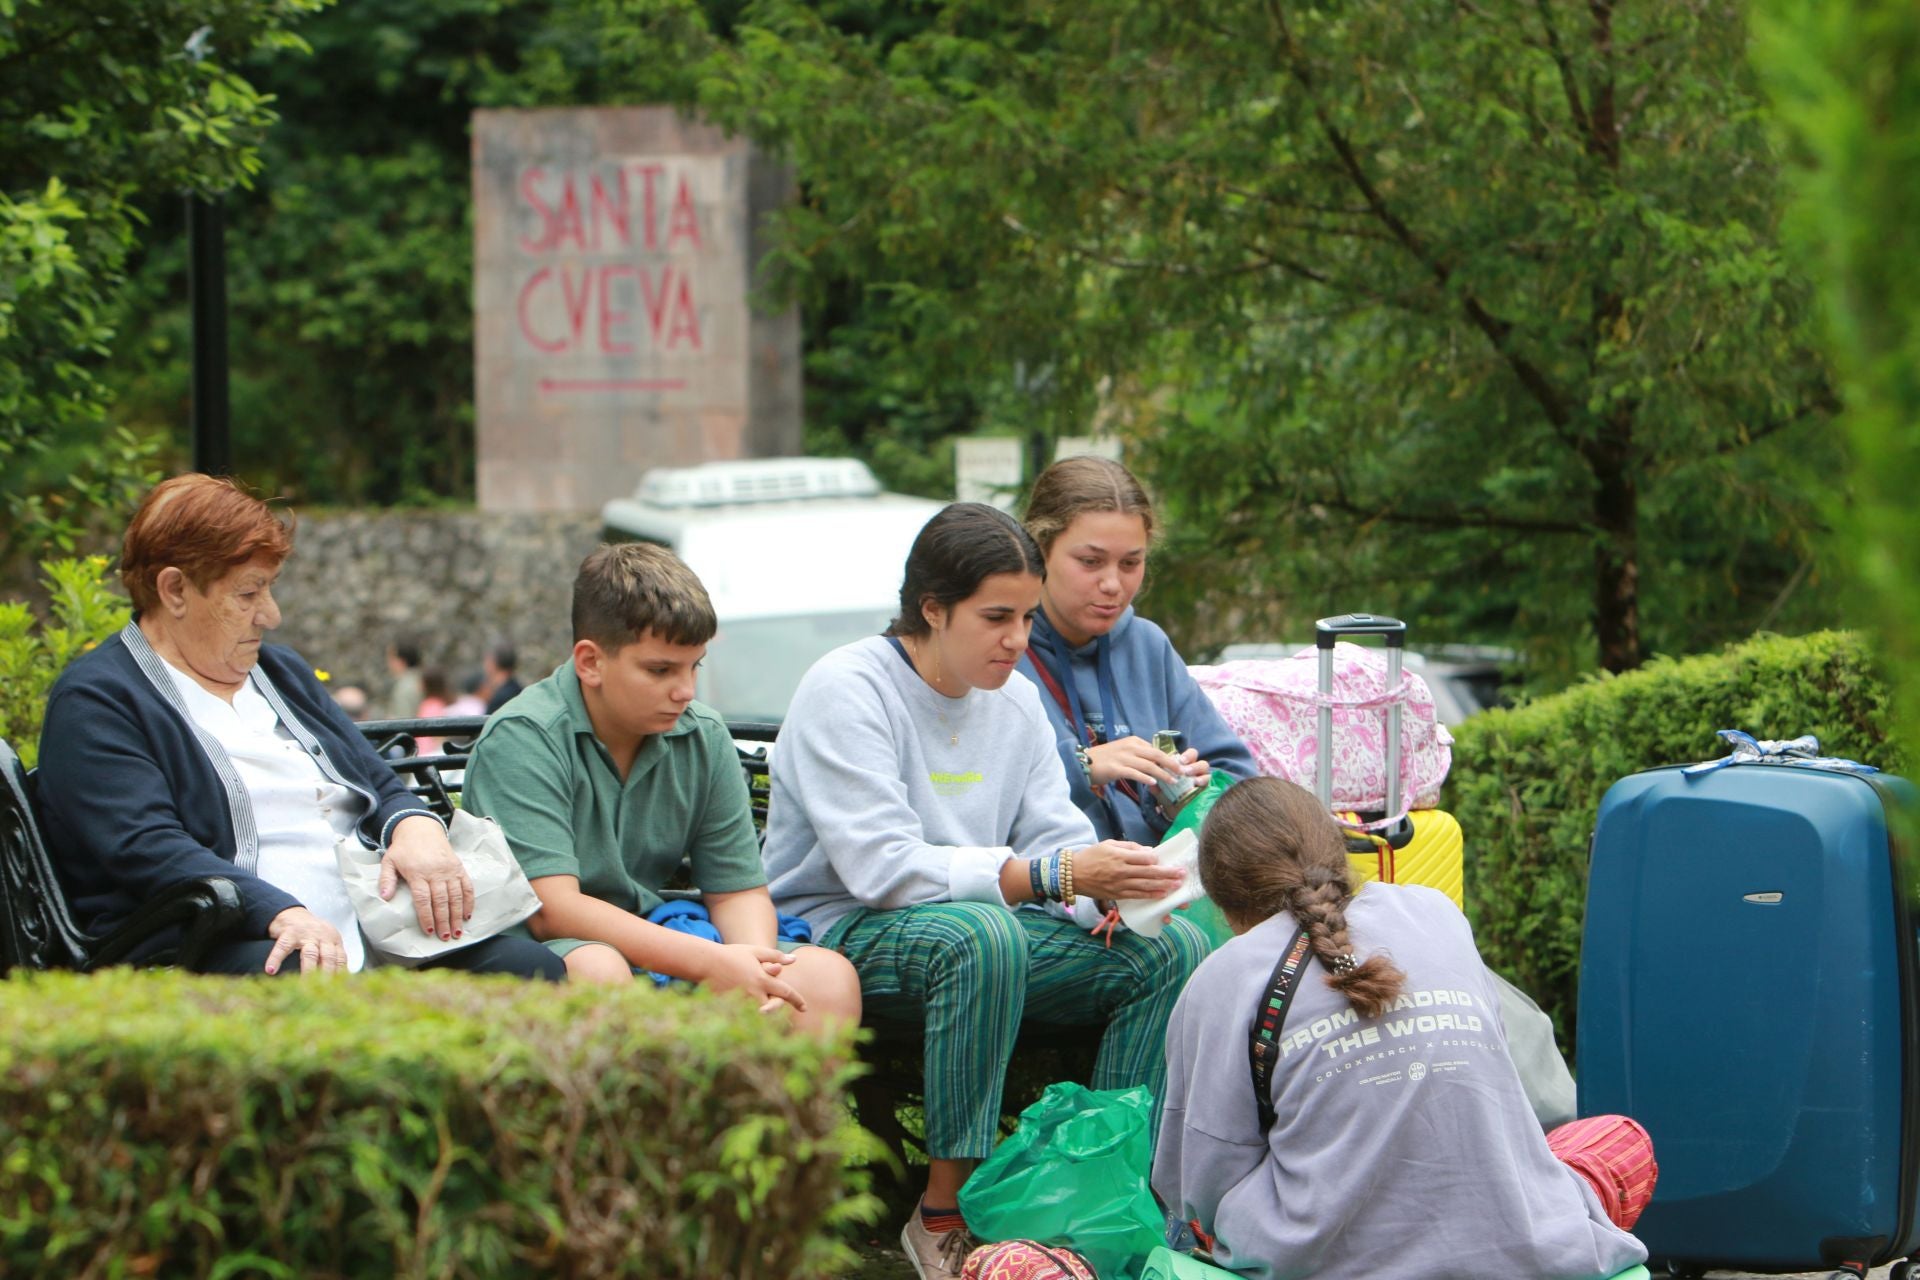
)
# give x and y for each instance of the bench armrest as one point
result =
(204, 911)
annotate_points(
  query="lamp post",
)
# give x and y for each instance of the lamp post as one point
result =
(207, 300)
(207, 297)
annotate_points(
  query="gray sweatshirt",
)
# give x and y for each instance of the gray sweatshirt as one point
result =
(1403, 1146)
(888, 794)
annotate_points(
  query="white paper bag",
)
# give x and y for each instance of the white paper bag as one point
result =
(392, 926)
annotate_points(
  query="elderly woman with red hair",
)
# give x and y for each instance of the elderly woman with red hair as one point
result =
(187, 746)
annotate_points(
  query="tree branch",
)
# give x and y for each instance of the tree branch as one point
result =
(1568, 81)
(1256, 261)
(1497, 331)
(1822, 402)
(1397, 513)
(1465, 518)
(27, 53)
(1606, 125)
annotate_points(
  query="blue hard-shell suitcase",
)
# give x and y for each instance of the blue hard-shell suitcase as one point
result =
(1747, 992)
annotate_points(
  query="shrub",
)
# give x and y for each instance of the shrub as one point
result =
(413, 1124)
(83, 612)
(1526, 783)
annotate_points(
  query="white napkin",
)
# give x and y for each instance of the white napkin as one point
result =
(1147, 916)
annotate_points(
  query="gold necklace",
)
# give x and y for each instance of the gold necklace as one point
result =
(953, 734)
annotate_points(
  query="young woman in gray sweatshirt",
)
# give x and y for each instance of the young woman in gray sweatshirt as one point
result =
(921, 823)
(1400, 1143)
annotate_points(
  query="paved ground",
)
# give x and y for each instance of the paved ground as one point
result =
(881, 1260)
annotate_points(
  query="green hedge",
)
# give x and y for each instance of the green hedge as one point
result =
(415, 1125)
(1527, 782)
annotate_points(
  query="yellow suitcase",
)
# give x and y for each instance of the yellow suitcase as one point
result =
(1434, 855)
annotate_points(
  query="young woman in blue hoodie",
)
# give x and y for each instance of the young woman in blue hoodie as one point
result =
(1108, 677)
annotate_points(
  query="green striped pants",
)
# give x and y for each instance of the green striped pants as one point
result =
(970, 971)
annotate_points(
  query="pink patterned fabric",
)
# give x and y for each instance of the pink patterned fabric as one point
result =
(1273, 704)
(1025, 1260)
(1615, 1155)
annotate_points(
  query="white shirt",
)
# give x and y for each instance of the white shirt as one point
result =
(298, 810)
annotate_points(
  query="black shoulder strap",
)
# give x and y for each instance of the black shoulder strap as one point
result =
(1263, 1045)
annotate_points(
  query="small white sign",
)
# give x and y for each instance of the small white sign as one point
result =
(988, 469)
(1107, 447)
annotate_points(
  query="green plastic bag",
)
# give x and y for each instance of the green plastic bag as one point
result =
(1201, 911)
(1074, 1173)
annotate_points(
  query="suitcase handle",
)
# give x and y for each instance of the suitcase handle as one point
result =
(1325, 632)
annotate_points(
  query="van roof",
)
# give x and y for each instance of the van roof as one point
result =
(773, 559)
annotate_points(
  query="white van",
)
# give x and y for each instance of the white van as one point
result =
(800, 556)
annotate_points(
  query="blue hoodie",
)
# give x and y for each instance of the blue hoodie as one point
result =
(1145, 687)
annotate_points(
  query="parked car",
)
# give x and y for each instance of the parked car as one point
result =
(800, 556)
(1464, 678)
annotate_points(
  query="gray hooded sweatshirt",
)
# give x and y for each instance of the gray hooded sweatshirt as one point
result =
(1402, 1147)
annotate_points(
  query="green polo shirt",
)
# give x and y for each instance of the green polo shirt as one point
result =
(539, 772)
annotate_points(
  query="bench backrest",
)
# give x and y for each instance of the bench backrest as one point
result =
(435, 776)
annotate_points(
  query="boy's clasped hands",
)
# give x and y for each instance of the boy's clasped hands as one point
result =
(738, 966)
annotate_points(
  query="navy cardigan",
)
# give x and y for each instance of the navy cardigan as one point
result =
(133, 799)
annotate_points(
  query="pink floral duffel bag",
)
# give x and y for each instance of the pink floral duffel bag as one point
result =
(1274, 704)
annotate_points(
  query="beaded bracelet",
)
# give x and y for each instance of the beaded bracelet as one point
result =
(1066, 877)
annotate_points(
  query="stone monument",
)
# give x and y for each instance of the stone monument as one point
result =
(614, 327)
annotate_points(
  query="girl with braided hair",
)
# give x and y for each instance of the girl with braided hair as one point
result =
(1399, 1142)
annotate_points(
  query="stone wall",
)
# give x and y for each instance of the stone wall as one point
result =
(453, 580)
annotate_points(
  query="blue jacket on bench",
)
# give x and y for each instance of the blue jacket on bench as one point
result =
(131, 803)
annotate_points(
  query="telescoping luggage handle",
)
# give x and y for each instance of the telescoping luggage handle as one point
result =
(1326, 633)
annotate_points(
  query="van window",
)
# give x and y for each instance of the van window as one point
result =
(754, 665)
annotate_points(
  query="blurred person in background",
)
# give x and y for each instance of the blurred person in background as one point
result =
(472, 700)
(403, 690)
(498, 666)
(353, 700)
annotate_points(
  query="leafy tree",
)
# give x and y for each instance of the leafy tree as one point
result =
(104, 102)
(351, 263)
(1435, 294)
(83, 610)
(1840, 72)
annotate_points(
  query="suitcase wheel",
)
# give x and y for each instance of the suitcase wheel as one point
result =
(1901, 1270)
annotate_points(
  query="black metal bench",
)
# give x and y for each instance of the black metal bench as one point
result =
(37, 930)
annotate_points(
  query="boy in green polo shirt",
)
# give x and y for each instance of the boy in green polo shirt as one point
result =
(607, 773)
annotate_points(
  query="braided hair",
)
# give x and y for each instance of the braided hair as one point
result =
(1267, 847)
